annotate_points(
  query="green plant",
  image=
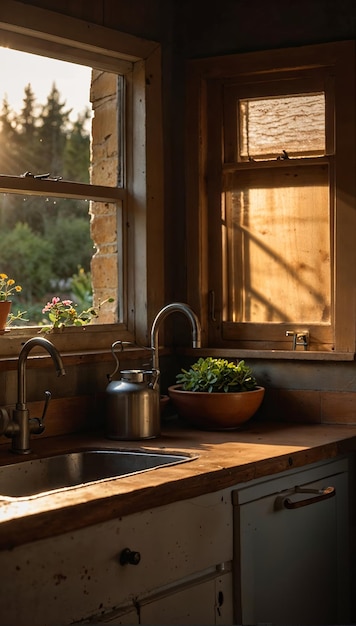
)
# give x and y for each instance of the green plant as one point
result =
(81, 287)
(217, 375)
(12, 318)
(63, 313)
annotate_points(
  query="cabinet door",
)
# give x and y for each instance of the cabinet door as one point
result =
(79, 575)
(293, 562)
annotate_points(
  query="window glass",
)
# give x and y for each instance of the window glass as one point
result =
(45, 116)
(52, 245)
(63, 125)
(277, 210)
(282, 127)
(277, 233)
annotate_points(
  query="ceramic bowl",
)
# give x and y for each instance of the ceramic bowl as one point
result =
(216, 411)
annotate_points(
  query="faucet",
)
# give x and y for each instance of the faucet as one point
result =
(20, 426)
(174, 307)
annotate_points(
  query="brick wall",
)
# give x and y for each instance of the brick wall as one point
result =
(104, 171)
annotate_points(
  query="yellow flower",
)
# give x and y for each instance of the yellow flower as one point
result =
(7, 287)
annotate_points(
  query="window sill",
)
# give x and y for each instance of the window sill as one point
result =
(72, 341)
(291, 355)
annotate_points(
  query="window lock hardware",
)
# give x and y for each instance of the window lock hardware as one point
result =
(283, 156)
(41, 176)
(300, 338)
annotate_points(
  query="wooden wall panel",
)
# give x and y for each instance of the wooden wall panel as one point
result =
(91, 10)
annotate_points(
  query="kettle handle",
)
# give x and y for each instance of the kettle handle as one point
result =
(116, 343)
(154, 382)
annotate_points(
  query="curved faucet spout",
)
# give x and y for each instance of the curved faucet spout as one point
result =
(20, 426)
(174, 307)
(21, 370)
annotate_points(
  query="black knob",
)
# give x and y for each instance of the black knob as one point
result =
(130, 557)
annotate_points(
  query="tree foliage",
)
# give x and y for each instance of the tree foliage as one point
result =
(67, 237)
(31, 255)
(44, 240)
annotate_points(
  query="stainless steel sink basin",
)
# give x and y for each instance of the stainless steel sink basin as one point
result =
(36, 477)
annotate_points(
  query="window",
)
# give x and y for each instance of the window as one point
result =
(46, 238)
(276, 226)
(276, 203)
(116, 193)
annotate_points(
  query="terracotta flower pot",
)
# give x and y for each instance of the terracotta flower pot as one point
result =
(5, 308)
(216, 411)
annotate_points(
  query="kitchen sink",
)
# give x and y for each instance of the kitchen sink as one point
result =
(33, 478)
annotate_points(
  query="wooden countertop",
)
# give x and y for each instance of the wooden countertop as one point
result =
(224, 460)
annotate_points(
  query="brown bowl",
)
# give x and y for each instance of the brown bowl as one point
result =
(216, 411)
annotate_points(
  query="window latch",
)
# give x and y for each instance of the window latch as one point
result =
(300, 338)
(41, 176)
(283, 156)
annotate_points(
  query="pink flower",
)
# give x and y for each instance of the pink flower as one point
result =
(54, 304)
(63, 313)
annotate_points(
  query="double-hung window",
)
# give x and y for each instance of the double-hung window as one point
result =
(277, 199)
(125, 135)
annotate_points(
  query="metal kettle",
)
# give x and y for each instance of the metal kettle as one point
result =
(132, 403)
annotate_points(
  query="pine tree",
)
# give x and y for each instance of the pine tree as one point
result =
(27, 135)
(53, 131)
(8, 143)
(77, 151)
(36, 229)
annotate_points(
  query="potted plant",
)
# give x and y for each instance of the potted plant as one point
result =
(216, 394)
(7, 288)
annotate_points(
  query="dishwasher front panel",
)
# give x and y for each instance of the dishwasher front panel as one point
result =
(291, 550)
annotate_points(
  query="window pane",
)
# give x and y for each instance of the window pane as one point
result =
(45, 242)
(277, 237)
(46, 117)
(62, 121)
(294, 124)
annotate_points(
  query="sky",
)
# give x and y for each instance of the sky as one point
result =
(18, 69)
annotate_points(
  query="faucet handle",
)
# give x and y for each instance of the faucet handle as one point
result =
(48, 396)
(36, 423)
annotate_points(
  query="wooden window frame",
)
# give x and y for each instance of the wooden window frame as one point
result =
(205, 86)
(47, 33)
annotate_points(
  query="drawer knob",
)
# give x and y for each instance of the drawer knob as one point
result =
(129, 557)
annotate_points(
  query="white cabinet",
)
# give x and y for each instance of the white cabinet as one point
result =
(185, 553)
(291, 561)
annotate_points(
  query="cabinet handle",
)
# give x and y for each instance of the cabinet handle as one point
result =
(320, 494)
(129, 557)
